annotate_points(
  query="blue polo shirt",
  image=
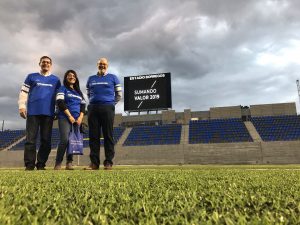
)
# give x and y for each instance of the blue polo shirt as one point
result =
(72, 99)
(101, 89)
(41, 94)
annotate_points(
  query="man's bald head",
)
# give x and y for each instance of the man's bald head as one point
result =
(102, 65)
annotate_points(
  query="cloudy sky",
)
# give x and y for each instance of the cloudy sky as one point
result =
(219, 52)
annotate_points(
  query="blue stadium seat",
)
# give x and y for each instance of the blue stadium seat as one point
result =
(278, 128)
(118, 131)
(218, 131)
(54, 141)
(167, 134)
(8, 137)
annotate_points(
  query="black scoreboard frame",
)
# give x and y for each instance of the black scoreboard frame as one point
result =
(147, 92)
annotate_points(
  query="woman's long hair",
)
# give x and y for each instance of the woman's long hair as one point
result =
(76, 85)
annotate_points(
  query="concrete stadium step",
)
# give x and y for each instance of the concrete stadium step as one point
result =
(252, 131)
(184, 134)
(124, 136)
(15, 143)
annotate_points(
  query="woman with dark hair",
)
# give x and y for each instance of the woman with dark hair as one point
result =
(71, 105)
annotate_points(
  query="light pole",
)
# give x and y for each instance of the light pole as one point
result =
(298, 88)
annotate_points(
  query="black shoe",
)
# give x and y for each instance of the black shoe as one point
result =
(29, 168)
(41, 168)
(107, 166)
(92, 167)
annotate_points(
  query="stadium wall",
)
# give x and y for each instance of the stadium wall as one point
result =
(225, 112)
(278, 152)
(273, 109)
(170, 116)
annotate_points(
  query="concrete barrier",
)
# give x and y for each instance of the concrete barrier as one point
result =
(279, 152)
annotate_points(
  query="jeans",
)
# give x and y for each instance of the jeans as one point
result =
(64, 130)
(101, 117)
(33, 125)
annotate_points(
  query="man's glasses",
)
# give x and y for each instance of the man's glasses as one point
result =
(46, 62)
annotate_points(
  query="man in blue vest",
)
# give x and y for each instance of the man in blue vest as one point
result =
(37, 105)
(104, 91)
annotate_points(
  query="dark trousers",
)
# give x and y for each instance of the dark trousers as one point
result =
(101, 117)
(33, 125)
(64, 130)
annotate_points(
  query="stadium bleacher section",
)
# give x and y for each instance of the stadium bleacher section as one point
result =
(118, 131)
(10, 136)
(270, 128)
(154, 135)
(218, 131)
(54, 141)
(278, 128)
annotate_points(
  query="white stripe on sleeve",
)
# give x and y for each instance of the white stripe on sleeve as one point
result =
(60, 96)
(25, 89)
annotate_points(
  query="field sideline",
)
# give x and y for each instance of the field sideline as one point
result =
(205, 194)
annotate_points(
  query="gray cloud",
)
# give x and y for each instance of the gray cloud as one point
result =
(219, 52)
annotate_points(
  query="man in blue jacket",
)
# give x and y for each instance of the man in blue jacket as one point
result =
(37, 105)
(104, 91)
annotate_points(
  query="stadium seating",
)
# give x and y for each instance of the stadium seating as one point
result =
(54, 142)
(118, 131)
(270, 128)
(218, 131)
(154, 135)
(278, 128)
(10, 136)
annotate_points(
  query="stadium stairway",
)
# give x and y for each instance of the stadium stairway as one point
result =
(252, 131)
(124, 136)
(184, 134)
(15, 143)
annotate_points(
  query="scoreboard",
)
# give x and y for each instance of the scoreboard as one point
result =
(147, 92)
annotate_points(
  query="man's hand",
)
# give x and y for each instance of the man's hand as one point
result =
(23, 113)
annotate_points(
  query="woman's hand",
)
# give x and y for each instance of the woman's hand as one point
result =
(71, 119)
(79, 120)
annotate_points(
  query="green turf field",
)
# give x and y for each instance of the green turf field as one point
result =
(152, 195)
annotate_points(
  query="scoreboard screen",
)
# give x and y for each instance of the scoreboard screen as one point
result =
(147, 92)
